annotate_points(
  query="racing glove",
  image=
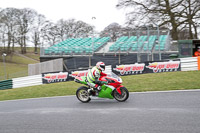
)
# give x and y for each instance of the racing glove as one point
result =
(104, 82)
(100, 82)
(99, 88)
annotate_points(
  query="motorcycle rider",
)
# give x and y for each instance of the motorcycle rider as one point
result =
(94, 74)
(197, 53)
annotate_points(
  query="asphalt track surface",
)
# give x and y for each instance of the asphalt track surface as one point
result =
(157, 112)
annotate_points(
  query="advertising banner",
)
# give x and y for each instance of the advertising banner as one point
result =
(147, 67)
(129, 69)
(54, 77)
(123, 70)
(73, 74)
(157, 67)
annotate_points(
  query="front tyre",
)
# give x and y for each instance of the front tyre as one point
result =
(82, 94)
(124, 94)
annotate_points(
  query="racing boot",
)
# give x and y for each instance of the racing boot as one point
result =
(92, 92)
(97, 90)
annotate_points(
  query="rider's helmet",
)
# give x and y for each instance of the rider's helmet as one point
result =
(100, 65)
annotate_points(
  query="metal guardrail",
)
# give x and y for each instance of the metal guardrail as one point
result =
(6, 84)
(189, 64)
(27, 81)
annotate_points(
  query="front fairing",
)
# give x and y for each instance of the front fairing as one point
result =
(112, 79)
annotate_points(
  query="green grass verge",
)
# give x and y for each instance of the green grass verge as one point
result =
(16, 65)
(134, 83)
(33, 56)
(19, 60)
(163, 81)
(12, 68)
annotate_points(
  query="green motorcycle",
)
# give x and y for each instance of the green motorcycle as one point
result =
(112, 89)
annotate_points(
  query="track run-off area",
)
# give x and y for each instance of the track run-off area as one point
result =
(143, 112)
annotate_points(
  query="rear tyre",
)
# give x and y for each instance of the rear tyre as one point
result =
(121, 97)
(82, 94)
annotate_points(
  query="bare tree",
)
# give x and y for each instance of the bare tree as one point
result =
(49, 33)
(36, 31)
(22, 26)
(114, 30)
(160, 12)
(82, 29)
(9, 26)
(25, 23)
(2, 36)
(77, 28)
(191, 13)
(63, 29)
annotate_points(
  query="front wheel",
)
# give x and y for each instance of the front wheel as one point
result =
(82, 94)
(124, 94)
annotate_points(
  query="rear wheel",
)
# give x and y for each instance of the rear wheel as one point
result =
(82, 94)
(121, 97)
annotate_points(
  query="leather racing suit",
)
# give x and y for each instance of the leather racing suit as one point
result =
(93, 77)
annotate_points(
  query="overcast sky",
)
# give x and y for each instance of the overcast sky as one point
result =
(104, 11)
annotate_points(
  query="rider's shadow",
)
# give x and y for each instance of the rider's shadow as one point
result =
(102, 101)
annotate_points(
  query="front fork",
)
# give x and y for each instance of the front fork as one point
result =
(118, 89)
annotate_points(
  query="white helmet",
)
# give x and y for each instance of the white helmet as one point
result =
(100, 65)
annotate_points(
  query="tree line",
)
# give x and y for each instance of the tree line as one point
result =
(180, 16)
(21, 26)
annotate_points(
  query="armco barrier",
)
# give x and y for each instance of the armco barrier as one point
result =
(6, 84)
(189, 64)
(27, 81)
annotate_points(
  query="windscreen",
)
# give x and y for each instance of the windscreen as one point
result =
(113, 75)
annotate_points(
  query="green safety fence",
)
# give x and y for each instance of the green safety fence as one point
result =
(6, 84)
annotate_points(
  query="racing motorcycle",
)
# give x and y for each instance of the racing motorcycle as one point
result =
(111, 88)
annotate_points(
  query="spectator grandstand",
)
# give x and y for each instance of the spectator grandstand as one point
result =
(124, 44)
(76, 46)
(143, 43)
(137, 47)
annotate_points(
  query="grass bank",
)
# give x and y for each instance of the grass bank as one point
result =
(17, 65)
(134, 83)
